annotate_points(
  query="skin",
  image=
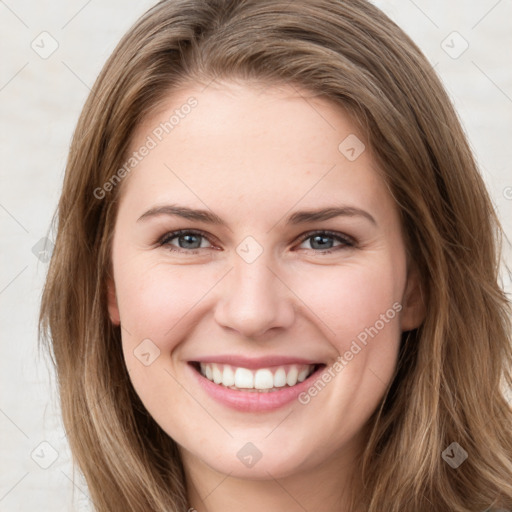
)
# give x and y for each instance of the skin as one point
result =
(253, 156)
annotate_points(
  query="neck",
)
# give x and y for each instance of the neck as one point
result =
(323, 488)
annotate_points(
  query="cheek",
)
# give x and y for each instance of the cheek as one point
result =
(349, 299)
(156, 302)
(153, 299)
(358, 310)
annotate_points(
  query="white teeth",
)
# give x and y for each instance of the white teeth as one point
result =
(243, 378)
(217, 374)
(291, 378)
(228, 377)
(302, 375)
(280, 378)
(263, 379)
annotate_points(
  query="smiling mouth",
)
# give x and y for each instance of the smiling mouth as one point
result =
(262, 380)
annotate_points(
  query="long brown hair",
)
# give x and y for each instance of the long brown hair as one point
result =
(452, 371)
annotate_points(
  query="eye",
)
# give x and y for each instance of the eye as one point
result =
(323, 241)
(190, 241)
(187, 240)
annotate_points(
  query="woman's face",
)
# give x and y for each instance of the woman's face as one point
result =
(291, 256)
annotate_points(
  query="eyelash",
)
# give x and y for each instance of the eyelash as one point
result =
(344, 239)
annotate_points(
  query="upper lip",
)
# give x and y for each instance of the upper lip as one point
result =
(254, 362)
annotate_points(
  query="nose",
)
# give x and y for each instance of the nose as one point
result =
(254, 299)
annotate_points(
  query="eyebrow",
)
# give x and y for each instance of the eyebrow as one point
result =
(299, 217)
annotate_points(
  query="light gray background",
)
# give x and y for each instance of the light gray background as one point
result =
(40, 100)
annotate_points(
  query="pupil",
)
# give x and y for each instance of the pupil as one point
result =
(190, 242)
(322, 240)
(189, 239)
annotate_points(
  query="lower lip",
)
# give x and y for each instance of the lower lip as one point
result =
(247, 401)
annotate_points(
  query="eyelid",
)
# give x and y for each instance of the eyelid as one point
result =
(346, 240)
(170, 235)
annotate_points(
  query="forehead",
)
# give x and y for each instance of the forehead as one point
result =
(262, 147)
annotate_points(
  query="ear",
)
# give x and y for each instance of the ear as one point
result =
(414, 310)
(113, 308)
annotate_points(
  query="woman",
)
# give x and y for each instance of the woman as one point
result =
(274, 284)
